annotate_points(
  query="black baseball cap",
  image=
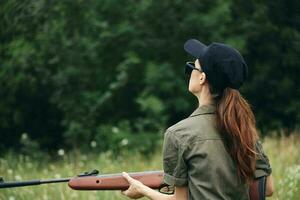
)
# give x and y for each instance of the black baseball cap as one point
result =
(223, 65)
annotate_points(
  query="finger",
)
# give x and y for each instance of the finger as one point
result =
(127, 177)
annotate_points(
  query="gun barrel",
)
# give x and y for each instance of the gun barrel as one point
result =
(19, 184)
(31, 182)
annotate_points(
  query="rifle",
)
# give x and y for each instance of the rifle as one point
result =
(92, 181)
(153, 179)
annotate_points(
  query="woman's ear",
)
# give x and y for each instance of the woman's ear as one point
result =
(202, 78)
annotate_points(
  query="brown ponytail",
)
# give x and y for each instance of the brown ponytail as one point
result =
(236, 122)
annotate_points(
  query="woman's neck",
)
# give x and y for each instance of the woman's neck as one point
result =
(204, 97)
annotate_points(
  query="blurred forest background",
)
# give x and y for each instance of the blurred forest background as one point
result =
(108, 74)
(95, 83)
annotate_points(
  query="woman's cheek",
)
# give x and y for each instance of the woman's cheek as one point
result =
(194, 87)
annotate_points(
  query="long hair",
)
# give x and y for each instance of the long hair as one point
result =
(236, 122)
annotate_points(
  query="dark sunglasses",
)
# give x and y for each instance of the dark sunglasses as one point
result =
(189, 67)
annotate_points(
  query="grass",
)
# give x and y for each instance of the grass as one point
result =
(284, 155)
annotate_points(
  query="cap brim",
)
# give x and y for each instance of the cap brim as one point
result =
(195, 48)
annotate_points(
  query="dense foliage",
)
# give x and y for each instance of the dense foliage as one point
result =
(109, 73)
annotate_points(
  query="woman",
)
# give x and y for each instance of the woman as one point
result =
(215, 152)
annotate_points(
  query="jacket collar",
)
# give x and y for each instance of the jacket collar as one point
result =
(204, 109)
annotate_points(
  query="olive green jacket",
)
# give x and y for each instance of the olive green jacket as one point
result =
(194, 155)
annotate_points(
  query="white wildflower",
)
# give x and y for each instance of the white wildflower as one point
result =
(115, 129)
(93, 144)
(24, 136)
(57, 176)
(124, 142)
(18, 177)
(61, 152)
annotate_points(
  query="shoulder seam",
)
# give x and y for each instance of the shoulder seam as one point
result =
(202, 140)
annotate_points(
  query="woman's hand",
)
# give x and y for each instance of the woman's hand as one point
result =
(136, 188)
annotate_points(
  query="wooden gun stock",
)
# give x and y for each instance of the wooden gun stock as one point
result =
(257, 190)
(153, 179)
